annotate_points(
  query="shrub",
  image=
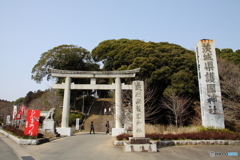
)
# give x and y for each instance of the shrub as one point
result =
(123, 136)
(155, 136)
(20, 133)
(74, 116)
(203, 135)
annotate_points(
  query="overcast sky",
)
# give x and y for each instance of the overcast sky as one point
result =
(30, 27)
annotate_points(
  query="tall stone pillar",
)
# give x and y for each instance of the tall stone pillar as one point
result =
(138, 109)
(118, 103)
(209, 85)
(66, 103)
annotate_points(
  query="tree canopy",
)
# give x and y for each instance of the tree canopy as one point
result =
(229, 55)
(32, 95)
(65, 57)
(168, 66)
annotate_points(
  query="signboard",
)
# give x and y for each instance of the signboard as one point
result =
(21, 112)
(209, 86)
(32, 122)
(14, 112)
(138, 109)
(8, 121)
(77, 124)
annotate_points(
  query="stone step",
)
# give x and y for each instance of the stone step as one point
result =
(99, 106)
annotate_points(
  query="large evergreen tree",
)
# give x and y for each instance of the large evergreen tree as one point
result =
(64, 57)
(229, 55)
(170, 67)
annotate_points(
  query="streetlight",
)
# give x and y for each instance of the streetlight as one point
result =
(83, 103)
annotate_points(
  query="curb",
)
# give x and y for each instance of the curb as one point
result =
(187, 142)
(25, 141)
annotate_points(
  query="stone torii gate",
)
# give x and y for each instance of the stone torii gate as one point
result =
(93, 75)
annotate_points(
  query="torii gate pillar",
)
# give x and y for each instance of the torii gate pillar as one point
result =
(65, 129)
(66, 103)
(118, 103)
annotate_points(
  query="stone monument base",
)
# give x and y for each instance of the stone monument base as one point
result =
(118, 131)
(48, 125)
(65, 131)
(139, 145)
(139, 140)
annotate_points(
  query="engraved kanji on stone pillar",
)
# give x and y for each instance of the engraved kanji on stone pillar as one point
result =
(138, 109)
(209, 86)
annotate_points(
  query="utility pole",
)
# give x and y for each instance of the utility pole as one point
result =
(83, 103)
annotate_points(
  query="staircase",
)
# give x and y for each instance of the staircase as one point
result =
(97, 116)
(99, 122)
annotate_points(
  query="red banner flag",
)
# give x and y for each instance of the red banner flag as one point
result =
(32, 122)
(21, 112)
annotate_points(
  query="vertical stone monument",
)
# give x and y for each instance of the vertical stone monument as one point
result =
(48, 122)
(77, 124)
(138, 109)
(209, 86)
(8, 120)
(138, 143)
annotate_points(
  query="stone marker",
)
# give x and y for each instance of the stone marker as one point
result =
(77, 124)
(138, 143)
(209, 85)
(138, 109)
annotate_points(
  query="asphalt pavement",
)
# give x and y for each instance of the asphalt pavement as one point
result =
(6, 152)
(85, 146)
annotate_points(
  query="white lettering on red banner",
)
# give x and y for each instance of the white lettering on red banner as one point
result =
(32, 122)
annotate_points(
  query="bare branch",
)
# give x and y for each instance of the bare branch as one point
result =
(179, 107)
(152, 107)
(230, 87)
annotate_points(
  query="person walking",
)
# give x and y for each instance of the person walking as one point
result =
(108, 126)
(92, 128)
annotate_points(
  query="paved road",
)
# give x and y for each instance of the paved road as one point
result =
(6, 152)
(100, 146)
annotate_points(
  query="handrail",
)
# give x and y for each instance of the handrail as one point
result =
(87, 114)
(101, 108)
(89, 110)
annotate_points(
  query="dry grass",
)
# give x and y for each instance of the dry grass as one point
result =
(49, 135)
(161, 129)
